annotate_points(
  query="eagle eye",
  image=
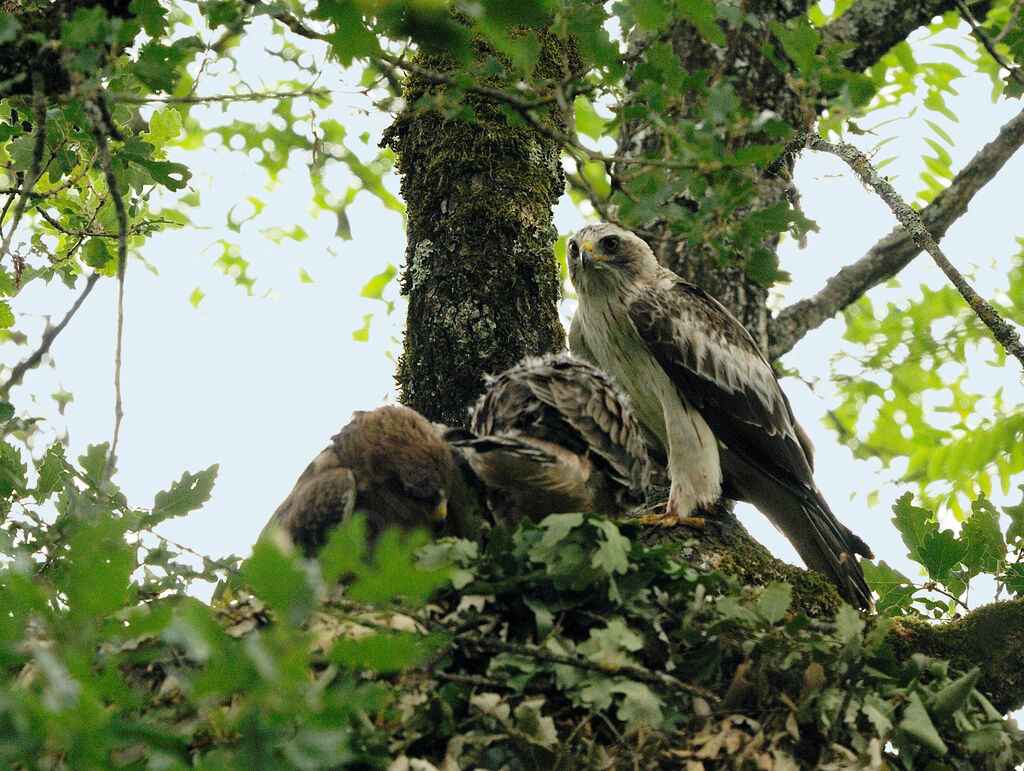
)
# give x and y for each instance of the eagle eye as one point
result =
(610, 244)
(574, 250)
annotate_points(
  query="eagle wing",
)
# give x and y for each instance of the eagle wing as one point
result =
(718, 368)
(570, 403)
(323, 496)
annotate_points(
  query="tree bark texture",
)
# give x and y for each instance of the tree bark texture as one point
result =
(480, 270)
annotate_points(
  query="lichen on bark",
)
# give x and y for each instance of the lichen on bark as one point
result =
(480, 269)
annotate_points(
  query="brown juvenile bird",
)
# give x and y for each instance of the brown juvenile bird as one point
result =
(390, 462)
(705, 397)
(554, 434)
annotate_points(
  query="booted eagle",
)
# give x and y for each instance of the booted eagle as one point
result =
(705, 397)
(391, 463)
(554, 434)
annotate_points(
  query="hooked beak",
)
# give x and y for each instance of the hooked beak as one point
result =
(589, 255)
(441, 510)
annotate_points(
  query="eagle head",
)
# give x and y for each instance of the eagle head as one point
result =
(405, 467)
(605, 255)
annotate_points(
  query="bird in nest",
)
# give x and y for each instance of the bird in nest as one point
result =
(707, 400)
(554, 434)
(391, 463)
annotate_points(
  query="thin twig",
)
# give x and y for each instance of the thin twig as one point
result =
(979, 33)
(476, 680)
(69, 182)
(259, 96)
(933, 586)
(19, 370)
(35, 168)
(897, 249)
(1005, 334)
(99, 130)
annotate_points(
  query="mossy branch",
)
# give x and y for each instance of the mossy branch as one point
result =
(990, 637)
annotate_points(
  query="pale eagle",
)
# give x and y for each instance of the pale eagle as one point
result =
(554, 434)
(390, 462)
(706, 398)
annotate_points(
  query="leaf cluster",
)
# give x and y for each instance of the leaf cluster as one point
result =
(574, 645)
(565, 644)
(987, 544)
(107, 661)
(913, 396)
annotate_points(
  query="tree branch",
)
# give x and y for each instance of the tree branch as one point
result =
(875, 26)
(911, 220)
(19, 370)
(896, 250)
(98, 117)
(979, 33)
(988, 637)
(35, 168)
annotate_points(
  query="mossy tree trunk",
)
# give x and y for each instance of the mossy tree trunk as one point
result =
(480, 269)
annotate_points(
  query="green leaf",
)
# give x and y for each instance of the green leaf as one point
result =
(287, 583)
(383, 652)
(164, 125)
(394, 574)
(702, 14)
(800, 43)
(895, 590)
(351, 39)
(655, 14)
(1015, 531)
(88, 26)
(609, 646)
(345, 550)
(374, 288)
(774, 601)
(612, 556)
(983, 539)
(919, 727)
(187, 494)
(96, 254)
(6, 411)
(640, 705)
(556, 527)
(6, 315)
(8, 28)
(52, 470)
(914, 524)
(363, 335)
(151, 15)
(12, 471)
(533, 725)
(950, 698)
(588, 122)
(100, 564)
(1013, 578)
(940, 552)
(849, 624)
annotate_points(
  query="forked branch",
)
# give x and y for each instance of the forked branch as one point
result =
(897, 249)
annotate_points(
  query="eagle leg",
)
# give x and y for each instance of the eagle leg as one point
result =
(666, 515)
